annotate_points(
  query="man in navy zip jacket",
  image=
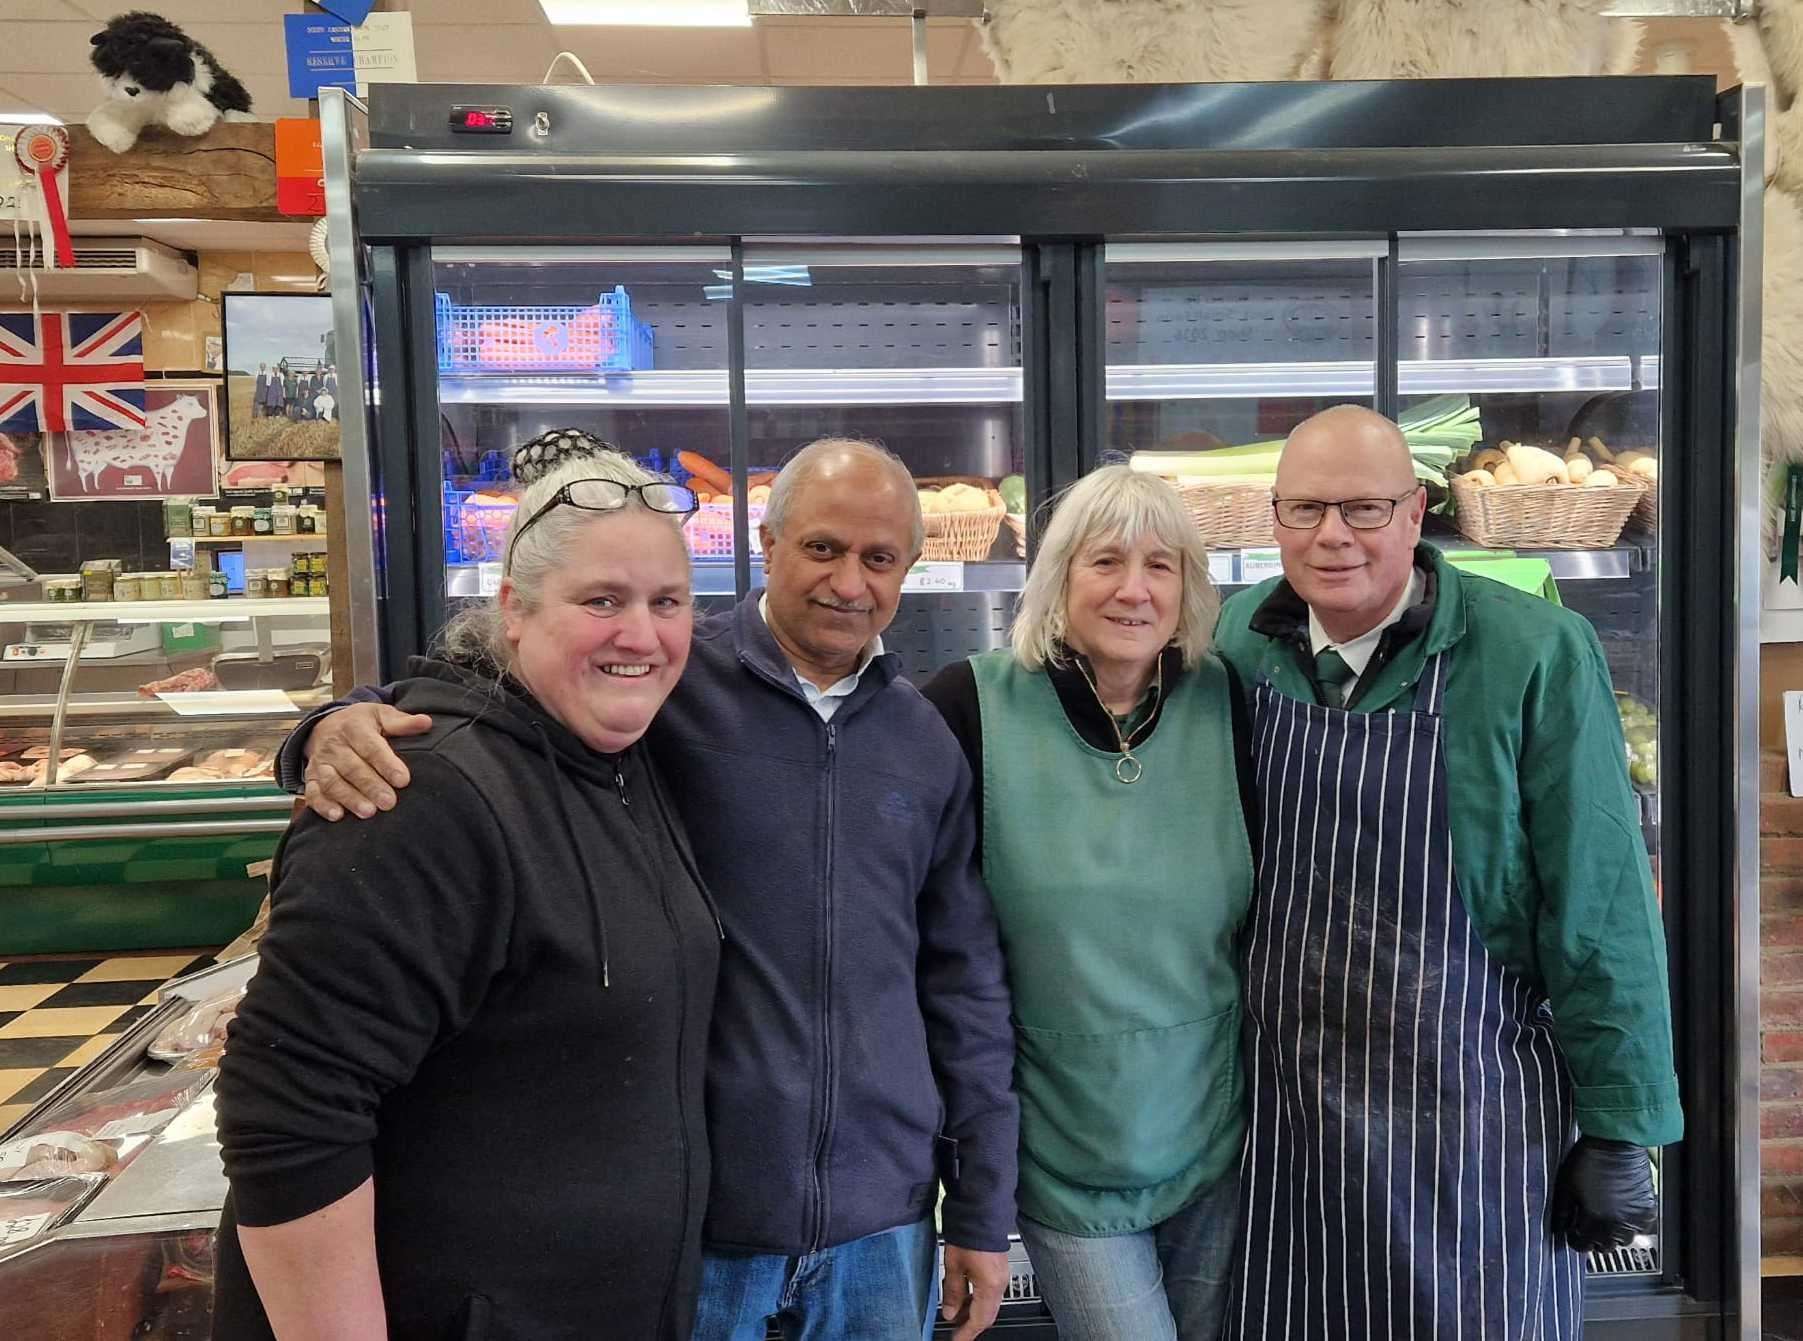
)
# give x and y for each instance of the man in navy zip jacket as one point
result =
(861, 1051)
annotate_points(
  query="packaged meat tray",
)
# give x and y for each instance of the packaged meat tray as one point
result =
(197, 1031)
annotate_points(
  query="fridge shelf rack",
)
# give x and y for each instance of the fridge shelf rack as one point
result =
(506, 338)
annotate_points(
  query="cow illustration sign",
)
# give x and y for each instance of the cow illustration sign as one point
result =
(175, 454)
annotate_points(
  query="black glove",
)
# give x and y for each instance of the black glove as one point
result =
(1604, 1196)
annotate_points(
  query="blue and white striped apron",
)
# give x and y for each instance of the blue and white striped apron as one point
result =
(1410, 1104)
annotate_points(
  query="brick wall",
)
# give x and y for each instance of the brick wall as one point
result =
(1781, 1010)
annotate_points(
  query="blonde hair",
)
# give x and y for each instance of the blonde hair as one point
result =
(1120, 504)
(476, 634)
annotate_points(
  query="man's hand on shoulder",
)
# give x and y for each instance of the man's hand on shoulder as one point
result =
(350, 766)
(971, 1294)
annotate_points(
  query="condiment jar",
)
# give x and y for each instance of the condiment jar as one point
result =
(262, 522)
(244, 520)
(277, 580)
(169, 586)
(194, 586)
(284, 517)
(256, 584)
(306, 520)
(219, 523)
(128, 587)
(217, 586)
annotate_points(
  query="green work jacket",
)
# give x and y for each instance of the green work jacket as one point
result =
(1546, 834)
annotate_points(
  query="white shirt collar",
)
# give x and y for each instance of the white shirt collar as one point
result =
(814, 694)
(1358, 651)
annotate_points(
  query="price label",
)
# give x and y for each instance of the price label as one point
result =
(1220, 569)
(1258, 564)
(925, 577)
(488, 579)
(21, 1227)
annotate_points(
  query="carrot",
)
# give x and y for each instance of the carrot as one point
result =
(710, 475)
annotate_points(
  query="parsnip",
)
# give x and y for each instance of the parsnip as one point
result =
(1535, 465)
(1579, 467)
(1600, 450)
(1505, 474)
(1483, 477)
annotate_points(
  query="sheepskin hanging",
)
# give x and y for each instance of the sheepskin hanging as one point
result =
(1153, 41)
(1468, 39)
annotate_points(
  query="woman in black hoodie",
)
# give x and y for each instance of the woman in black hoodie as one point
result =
(463, 1096)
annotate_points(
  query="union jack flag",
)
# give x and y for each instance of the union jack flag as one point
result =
(71, 370)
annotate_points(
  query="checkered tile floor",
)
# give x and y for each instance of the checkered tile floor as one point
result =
(58, 1014)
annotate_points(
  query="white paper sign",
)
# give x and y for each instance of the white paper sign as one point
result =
(229, 702)
(382, 49)
(22, 1227)
(1793, 738)
(488, 579)
(1258, 564)
(1220, 568)
(934, 577)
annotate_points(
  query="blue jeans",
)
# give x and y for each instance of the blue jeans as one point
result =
(1166, 1283)
(883, 1287)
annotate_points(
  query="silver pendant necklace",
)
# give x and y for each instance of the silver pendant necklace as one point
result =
(1127, 769)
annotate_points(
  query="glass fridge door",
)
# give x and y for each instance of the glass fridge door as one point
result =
(1553, 342)
(1232, 345)
(917, 348)
(629, 344)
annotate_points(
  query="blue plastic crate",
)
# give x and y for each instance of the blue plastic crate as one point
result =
(488, 338)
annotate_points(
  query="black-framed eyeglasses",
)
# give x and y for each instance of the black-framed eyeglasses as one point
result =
(1361, 514)
(598, 495)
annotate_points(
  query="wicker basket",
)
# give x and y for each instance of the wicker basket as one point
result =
(1230, 515)
(1543, 516)
(1646, 511)
(1017, 526)
(964, 537)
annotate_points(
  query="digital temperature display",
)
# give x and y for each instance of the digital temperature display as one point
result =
(482, 120)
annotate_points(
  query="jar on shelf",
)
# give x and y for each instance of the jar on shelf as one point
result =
(218, 587)
(277, 581)
(169, 586)
(219, 523)
(98, 578)
(284, 518)
(262, 522)
(194, 586)
(307, 520)
(128, 587)
(244, 520)
(256, 584)
(197, 521)
(65, 590)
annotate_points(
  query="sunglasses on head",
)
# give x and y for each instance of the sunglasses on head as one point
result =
(597, 495)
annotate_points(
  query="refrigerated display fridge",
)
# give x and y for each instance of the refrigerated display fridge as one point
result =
(1009, 286)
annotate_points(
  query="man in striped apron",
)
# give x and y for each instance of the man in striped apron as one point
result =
(1458, 1021)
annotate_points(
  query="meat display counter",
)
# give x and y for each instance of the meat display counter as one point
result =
(137, 746)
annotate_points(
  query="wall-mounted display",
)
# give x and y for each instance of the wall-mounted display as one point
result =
(22, 474)
(175, 453)
(281, 377)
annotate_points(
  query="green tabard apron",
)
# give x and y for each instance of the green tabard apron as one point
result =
(1120, 907)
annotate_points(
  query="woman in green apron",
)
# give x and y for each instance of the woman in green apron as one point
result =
(1109, 743)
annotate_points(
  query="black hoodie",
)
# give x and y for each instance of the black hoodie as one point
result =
(496, 1003)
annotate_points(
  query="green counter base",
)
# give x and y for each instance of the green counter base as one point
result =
(79, 919)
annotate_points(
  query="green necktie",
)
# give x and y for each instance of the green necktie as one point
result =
(1334, 674)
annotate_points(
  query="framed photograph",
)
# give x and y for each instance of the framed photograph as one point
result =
(281, 377)
(22, 473)
(175, 454)
(215, 354)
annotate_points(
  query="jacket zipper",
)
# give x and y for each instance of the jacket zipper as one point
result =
(826, 1018)
(682, 1036)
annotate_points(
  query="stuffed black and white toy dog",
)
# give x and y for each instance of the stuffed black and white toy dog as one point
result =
(156, 75)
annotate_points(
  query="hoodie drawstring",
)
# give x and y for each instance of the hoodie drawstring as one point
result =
(597, 921)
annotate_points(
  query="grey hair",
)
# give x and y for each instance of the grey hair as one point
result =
(803, 466)
(1124, 505)
(476, 635)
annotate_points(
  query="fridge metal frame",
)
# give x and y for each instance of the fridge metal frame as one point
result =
(1061, 169)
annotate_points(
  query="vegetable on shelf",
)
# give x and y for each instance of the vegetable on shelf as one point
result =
(1640, 731)
(1438, 432)
(1587, 462)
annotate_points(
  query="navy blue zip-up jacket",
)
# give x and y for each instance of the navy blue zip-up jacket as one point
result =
(862, 1010)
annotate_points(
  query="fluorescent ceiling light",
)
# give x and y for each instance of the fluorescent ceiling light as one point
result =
(29, 119)
(649, 13)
